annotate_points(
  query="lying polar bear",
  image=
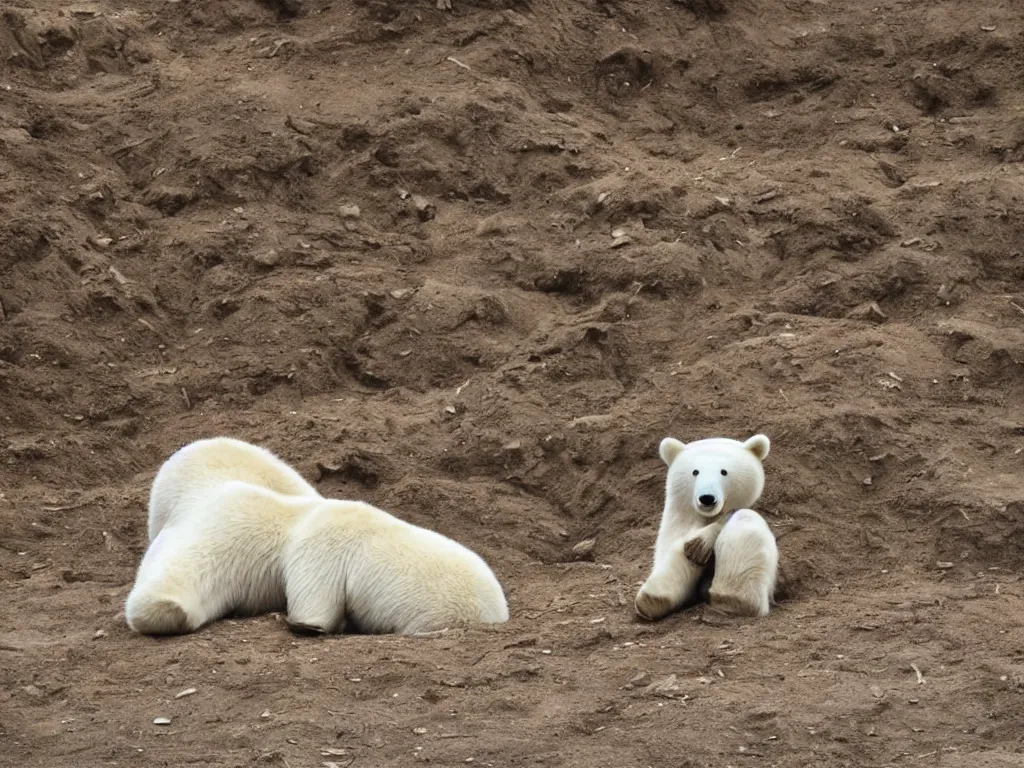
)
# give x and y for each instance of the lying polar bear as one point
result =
(236, 531)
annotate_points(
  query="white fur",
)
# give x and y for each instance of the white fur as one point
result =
(189, 474)
(746, 566)
(228, 542)
(696, 508)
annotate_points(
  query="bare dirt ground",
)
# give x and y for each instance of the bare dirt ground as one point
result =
(582, 225)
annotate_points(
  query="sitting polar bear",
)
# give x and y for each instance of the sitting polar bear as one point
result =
(707, 480)
(235, 531)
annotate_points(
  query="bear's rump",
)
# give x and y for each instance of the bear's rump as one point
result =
(394, 590)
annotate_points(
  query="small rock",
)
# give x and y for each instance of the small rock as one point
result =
(99, 633)
(450, 409)
(877, 692)
(641, 679)
(73, 577)
(333, 752)
(183, 694)
(267, 258)
(349, 211)
(299, 125)
(102, 243)
(868, 311)
(618, 242)
(584, 548)
(15, 136)
(497, 224)
(419, 731)
(161, 721)
(401, 293)
(867, 480)
(265, 715)
(32, 690)
(115, 273)
(943, 565)
(666, 688)
(425, 209)
(512, 445)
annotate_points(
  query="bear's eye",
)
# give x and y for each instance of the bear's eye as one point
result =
(696, 472)
(724, 473)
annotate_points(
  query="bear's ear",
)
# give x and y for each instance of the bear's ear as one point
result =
(669, 449)
(759, 445)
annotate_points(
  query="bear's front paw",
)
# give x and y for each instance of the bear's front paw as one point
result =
(697, 551)
(651, 607)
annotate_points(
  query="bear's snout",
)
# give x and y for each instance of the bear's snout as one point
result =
(707, 500)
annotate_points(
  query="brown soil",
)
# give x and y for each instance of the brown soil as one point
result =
(821, 215)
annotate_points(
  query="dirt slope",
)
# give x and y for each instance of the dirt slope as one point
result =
(476, 263)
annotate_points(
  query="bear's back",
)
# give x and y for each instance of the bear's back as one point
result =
(195, 470)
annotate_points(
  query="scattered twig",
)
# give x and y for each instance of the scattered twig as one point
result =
(432, 634)
(65, 508)
(455, 61)
(1017, 306)
(184, 396)
(533, 616)
(920, 677)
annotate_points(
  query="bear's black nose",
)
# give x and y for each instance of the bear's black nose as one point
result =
(707, 500)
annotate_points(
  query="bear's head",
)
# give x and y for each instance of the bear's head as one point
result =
(715, 475)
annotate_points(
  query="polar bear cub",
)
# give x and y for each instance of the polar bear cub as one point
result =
(746, 566)
(707, 479)
(236, 531)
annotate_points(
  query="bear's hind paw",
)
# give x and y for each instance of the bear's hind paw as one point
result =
(159, 617)
(732, 605)
(301, 628)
